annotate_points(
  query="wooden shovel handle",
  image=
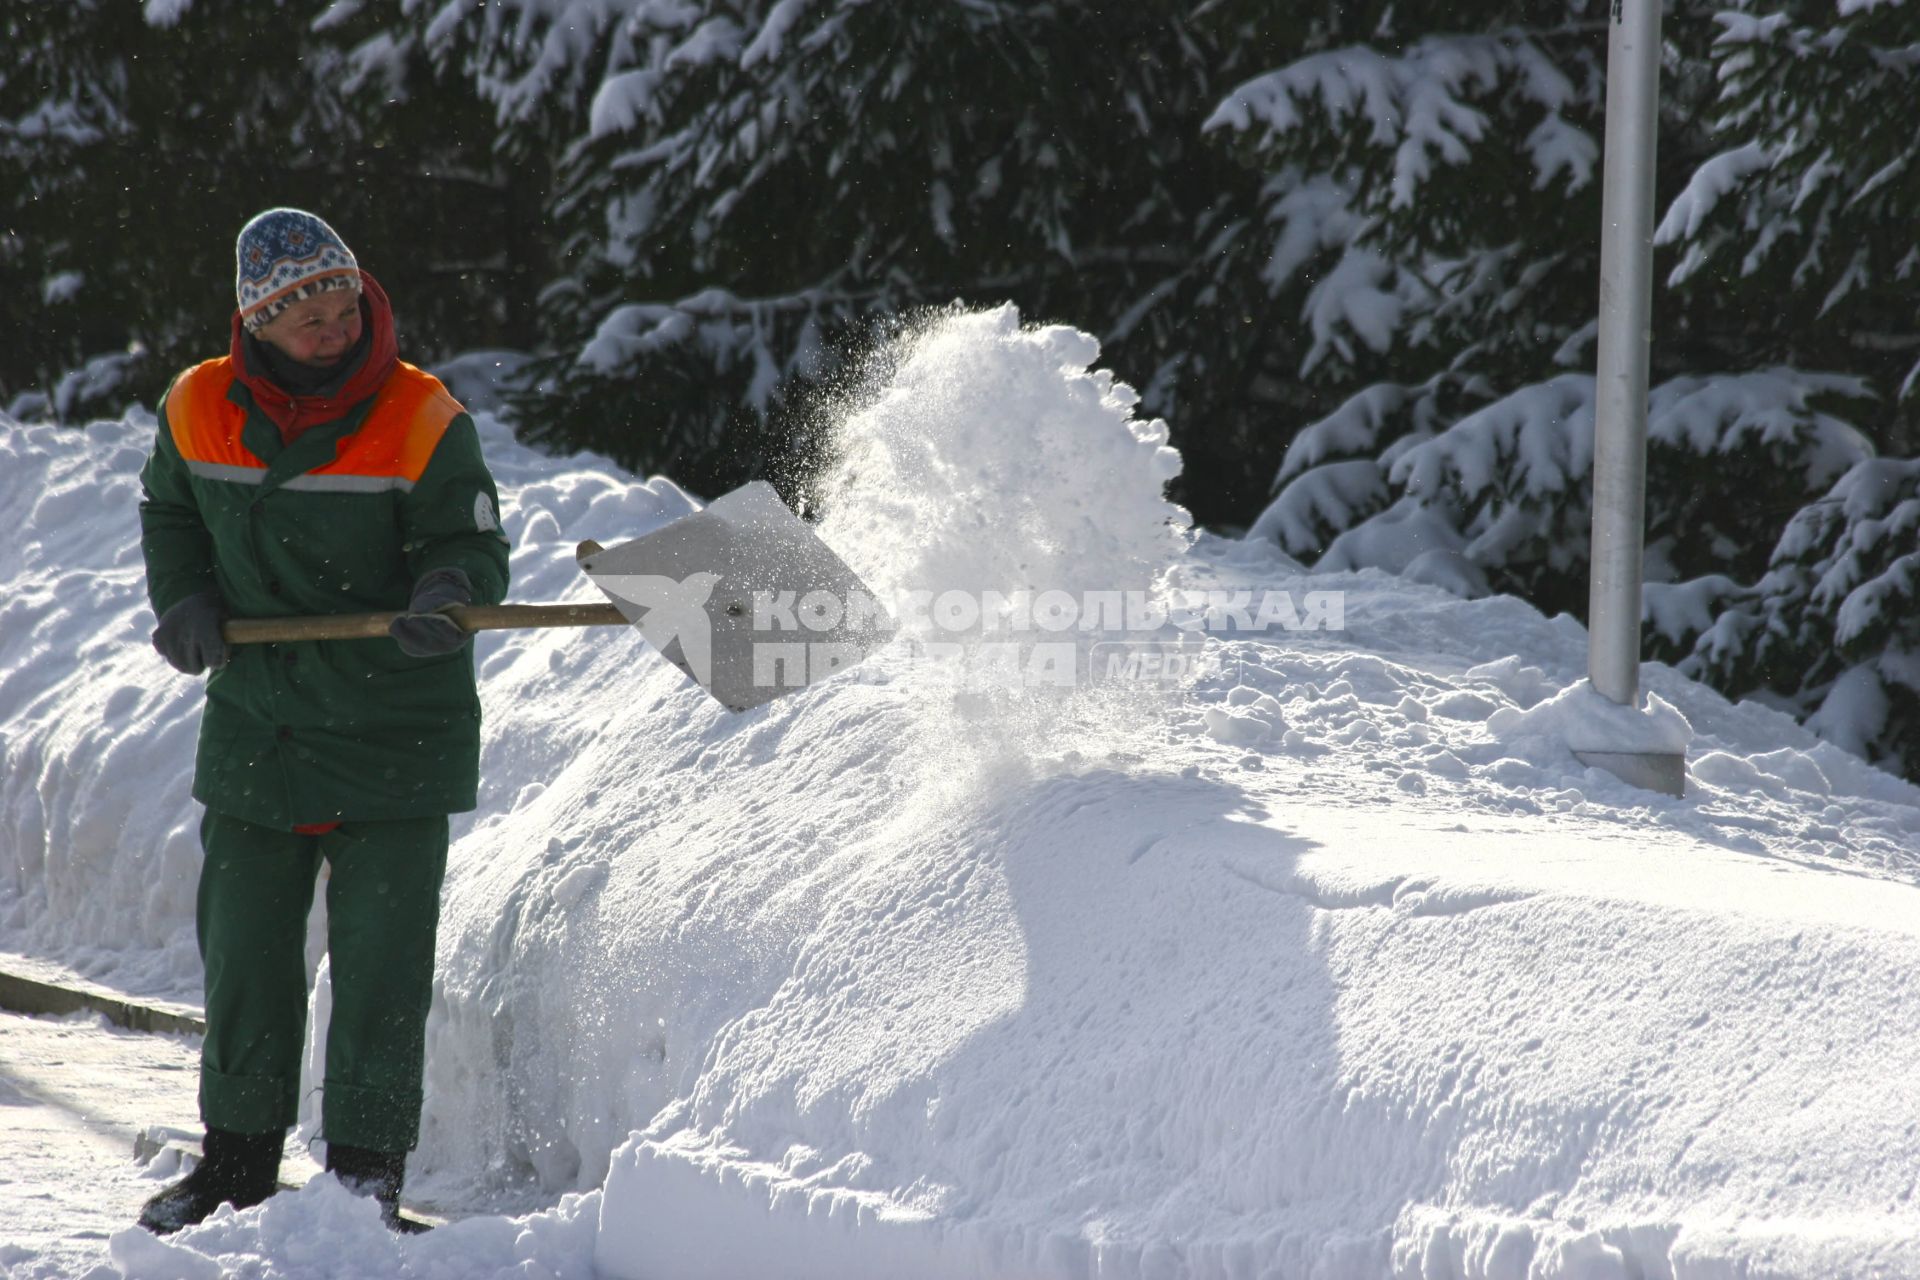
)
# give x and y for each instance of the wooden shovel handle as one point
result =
(364, 626)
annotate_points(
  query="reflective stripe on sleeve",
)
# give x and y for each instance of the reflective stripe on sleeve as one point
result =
(314, 482)
(311, 482)
(224, 471)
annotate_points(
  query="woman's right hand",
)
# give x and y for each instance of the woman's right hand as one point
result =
(188, 636)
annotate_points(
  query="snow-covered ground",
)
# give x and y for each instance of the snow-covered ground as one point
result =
(74, 1093)
(1333, 963)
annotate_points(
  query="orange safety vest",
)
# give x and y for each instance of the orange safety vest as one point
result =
(410, 413)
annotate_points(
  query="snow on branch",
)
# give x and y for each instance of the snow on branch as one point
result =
(1370, 420)
(773, 32)
(1710, 183)
(1357, 296)
(1537, 441)
(1358, 428)
(530, 56)
(1312, 215)
(622, 101)
(165, 13)
(1726, 415)
(726, 330)
(1306, 515)
(1419, 104)
(1891, 591)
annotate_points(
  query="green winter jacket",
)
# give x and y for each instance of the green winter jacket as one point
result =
(343, 520)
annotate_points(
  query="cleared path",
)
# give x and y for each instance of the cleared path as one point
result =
(75, 1091)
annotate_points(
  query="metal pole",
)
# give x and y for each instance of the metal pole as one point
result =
(1620, 384)
(1620, 391)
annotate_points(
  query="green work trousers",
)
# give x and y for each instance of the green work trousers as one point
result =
(383, 909)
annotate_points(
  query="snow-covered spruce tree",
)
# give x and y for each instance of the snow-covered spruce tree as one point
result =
(64, 116)
(1762, 184)
(1433, 185)
(1803, 227)
(1499, 500)
(756, 184)
(1434, 180)
(136, 139)
(1806, 225)
(1832, 630)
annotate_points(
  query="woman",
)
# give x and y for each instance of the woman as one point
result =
(310, 471)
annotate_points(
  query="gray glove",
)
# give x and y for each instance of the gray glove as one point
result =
(423, 631)
(188, 636)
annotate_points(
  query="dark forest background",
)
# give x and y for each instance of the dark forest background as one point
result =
(1348, 251)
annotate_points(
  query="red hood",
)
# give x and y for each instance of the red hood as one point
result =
(294, 414)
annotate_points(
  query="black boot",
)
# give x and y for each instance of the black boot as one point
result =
(374, 1173)
(240, 1169)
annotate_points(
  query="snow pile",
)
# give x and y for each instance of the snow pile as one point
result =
(1316, 968)
(1336, 963)
(325, 1233)
(786, 813)
(1587, 720)
(96, 736)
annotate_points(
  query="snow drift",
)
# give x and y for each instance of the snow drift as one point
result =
(1334, 964)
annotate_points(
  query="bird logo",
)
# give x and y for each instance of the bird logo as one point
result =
(676, 609)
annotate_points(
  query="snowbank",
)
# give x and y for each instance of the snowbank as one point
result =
(1337, 964)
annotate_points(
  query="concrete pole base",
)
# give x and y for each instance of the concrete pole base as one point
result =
(1653, 770)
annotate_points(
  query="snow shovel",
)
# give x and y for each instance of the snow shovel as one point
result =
(742, 596)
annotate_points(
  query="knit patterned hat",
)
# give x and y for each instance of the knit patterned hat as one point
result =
(283, 256)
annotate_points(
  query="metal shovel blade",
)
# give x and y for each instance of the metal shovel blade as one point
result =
(744, 597)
